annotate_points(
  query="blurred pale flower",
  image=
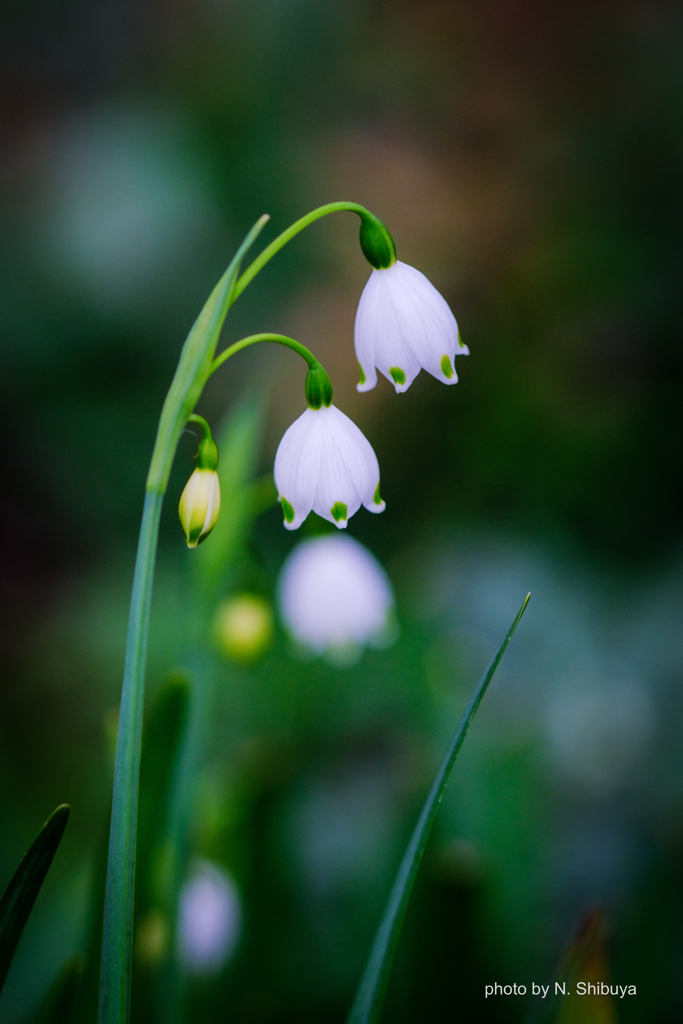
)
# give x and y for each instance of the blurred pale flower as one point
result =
(243, 627)
(334, 597)
(210, 919)
(326, 464)
(402, 325)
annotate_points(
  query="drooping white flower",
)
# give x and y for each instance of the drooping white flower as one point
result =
(333, 595)
(326, 464)
(210, 919)
(402, 325)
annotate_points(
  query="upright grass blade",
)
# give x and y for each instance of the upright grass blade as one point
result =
(367, 1007)
(158, 867)
(58, 1004)
(20, 895)
(161, 738)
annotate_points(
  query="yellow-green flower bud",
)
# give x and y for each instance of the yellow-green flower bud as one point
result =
(199, 506)
(200, 502)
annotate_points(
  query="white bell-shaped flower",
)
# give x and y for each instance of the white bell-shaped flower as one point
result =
(326, 464)
(335, 597)
(402, 325)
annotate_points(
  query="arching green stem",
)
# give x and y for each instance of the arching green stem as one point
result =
(207, 452)
(318, 386)
(278, 339)
(200, 421)
(371, 224)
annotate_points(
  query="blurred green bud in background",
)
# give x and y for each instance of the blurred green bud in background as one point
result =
(243, 627)
(152, 937)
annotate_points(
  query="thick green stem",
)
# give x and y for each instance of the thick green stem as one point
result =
(118, 905)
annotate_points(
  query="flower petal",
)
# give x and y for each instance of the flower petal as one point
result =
(342, 470)
(378, 335)
(297, 468)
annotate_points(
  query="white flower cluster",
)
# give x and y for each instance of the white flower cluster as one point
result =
(324, 462)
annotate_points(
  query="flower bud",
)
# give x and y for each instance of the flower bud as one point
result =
(199, 506)
(200, 502)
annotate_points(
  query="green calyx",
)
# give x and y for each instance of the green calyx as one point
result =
(376, 242)
(318, 387)
(207, 453)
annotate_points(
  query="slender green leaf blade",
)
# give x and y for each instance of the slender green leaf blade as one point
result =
(58, 1004)
(162, 737)
(158, 857)
(85, 1008)
(367, 1007)
(21, 893)
(194, 366)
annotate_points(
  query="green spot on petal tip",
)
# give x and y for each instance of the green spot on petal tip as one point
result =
(378, 497)
(446, 367)
(398, 374)
(287, 509)
(362, 375)
(339, 511)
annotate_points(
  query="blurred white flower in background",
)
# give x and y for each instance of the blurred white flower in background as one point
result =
(210, 919)
(335, 598)
(402, 325)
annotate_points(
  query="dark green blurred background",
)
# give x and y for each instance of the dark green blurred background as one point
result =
(528, 158)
